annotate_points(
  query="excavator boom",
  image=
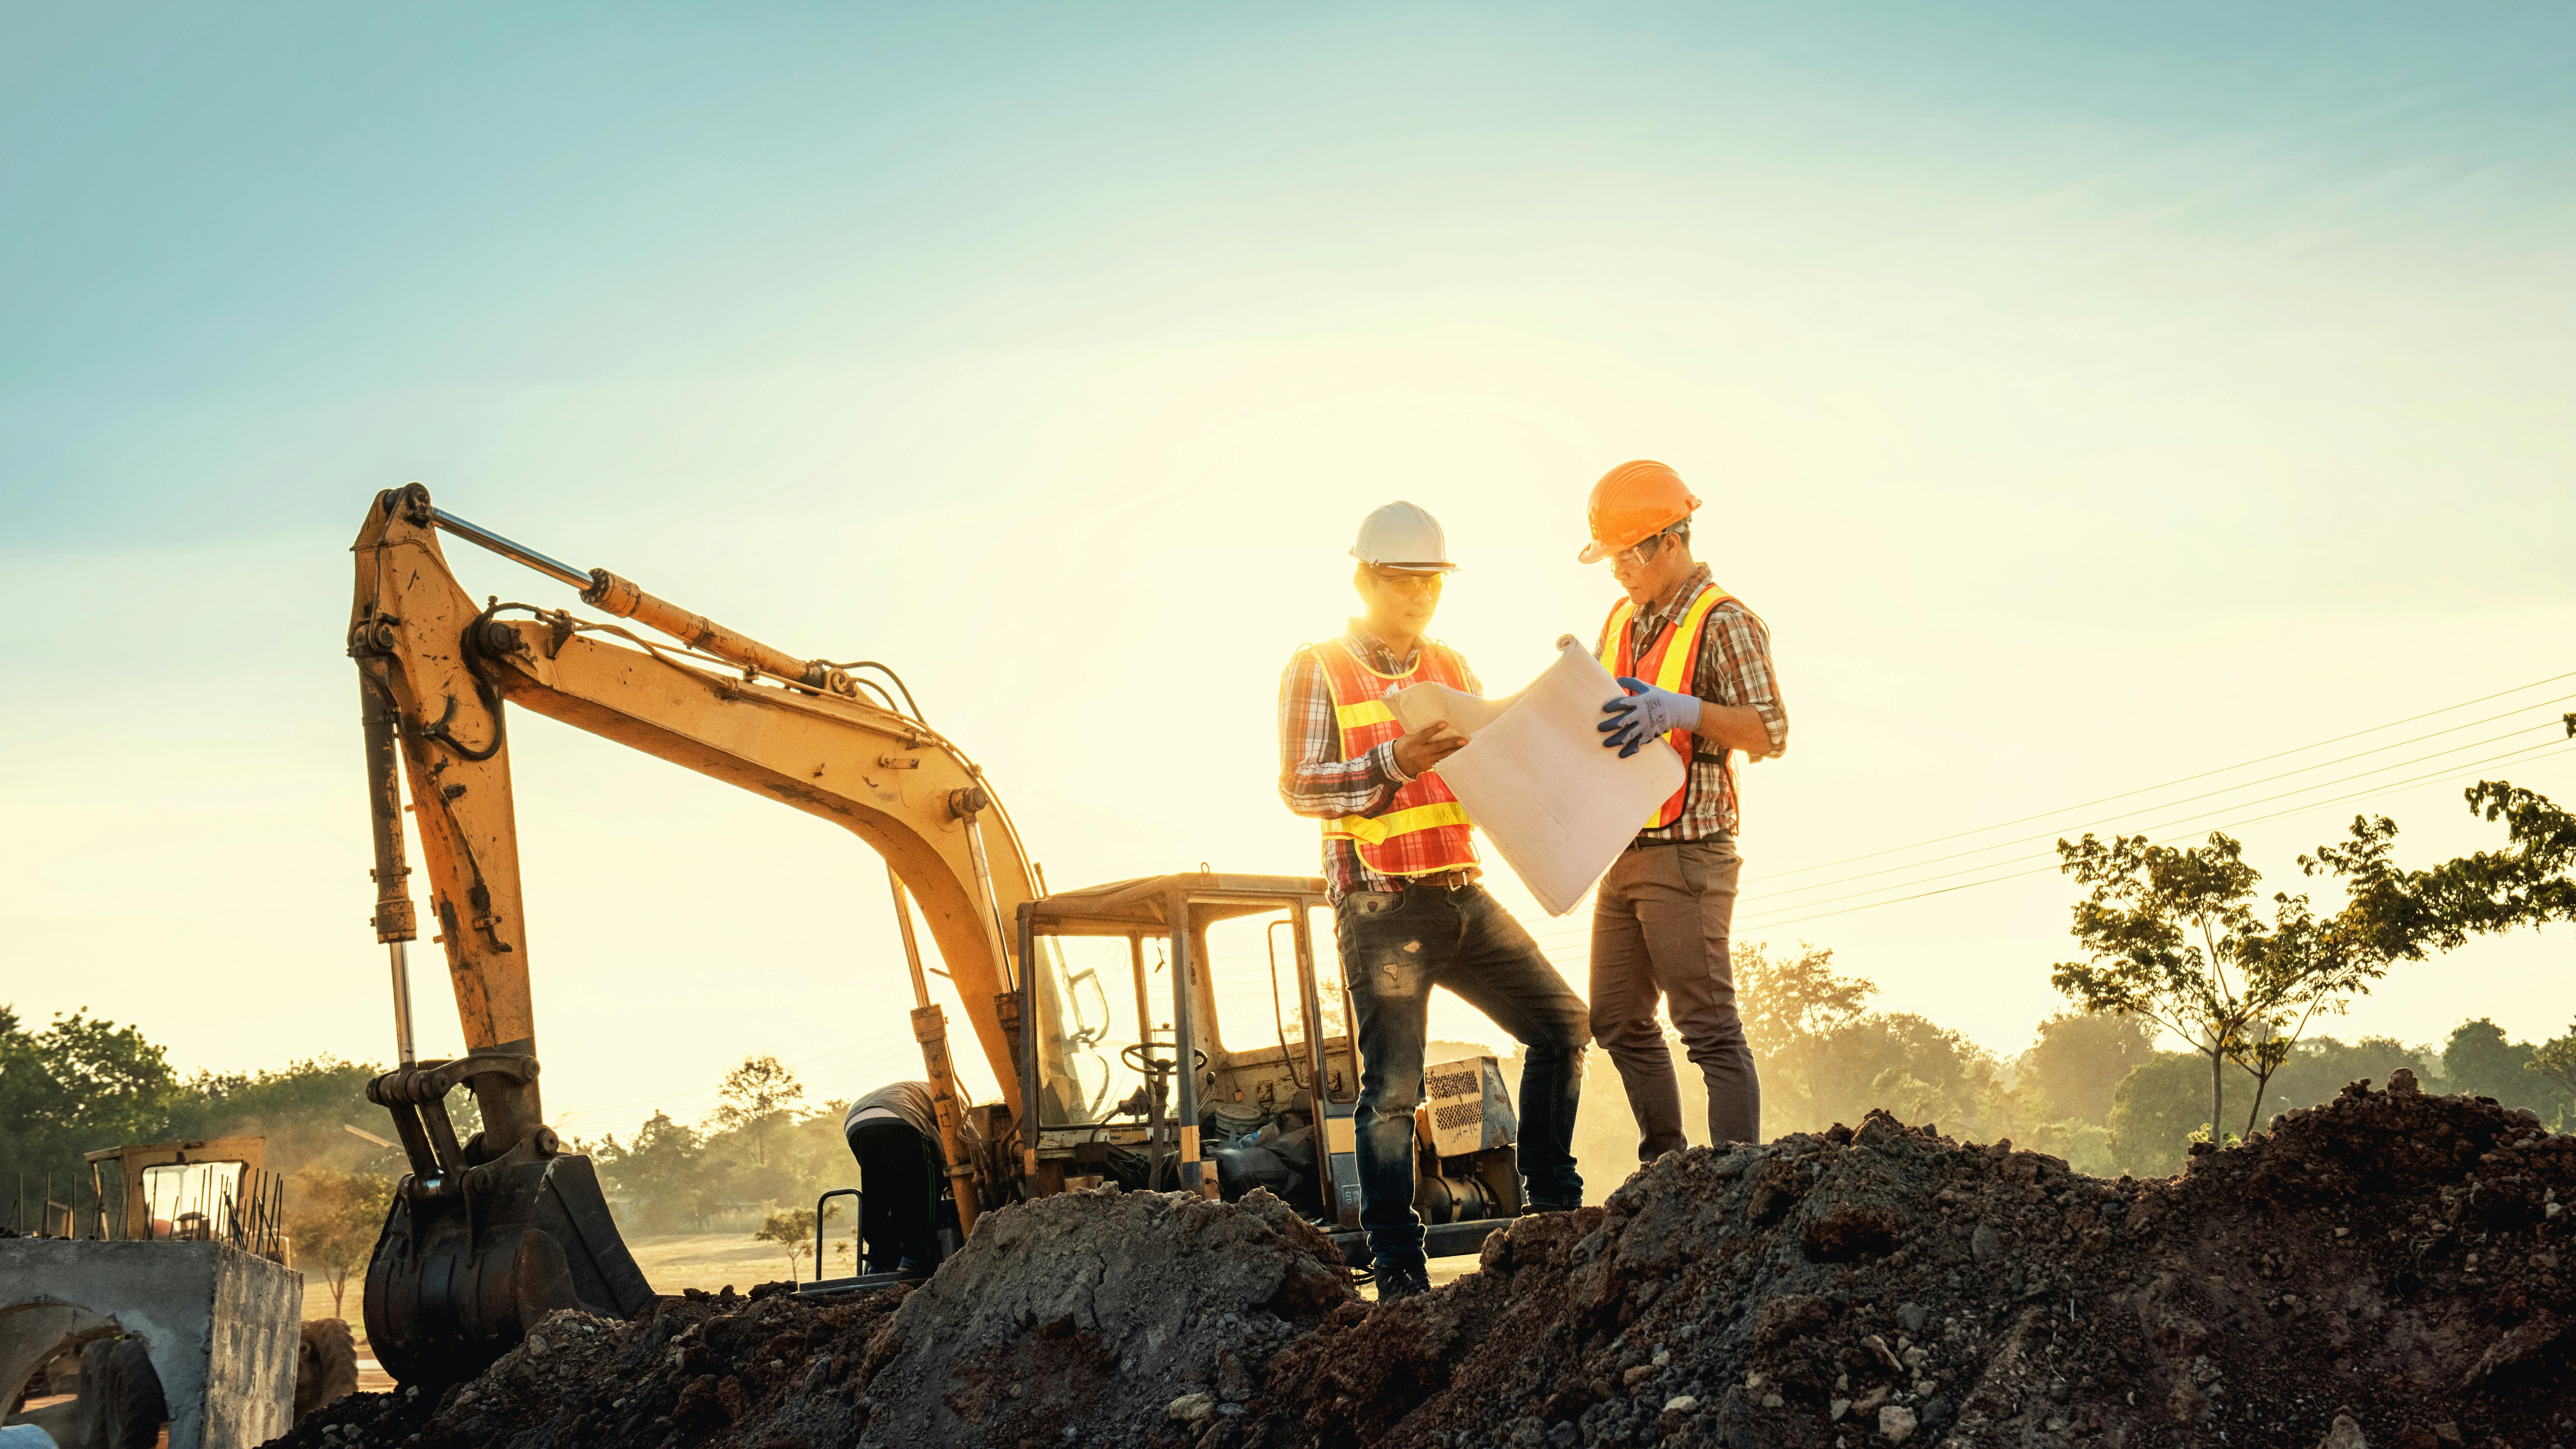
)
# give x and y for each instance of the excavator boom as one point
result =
(490, 1233)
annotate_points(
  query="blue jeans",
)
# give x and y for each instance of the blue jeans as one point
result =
(1396, 946)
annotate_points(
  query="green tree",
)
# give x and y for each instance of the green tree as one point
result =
(2478, 1062)
(80, 1084)
(2145, 905)
(757, 1095)
(1931, 1068)
(2531, 882)
(1795, 998)
(2174, 939)
(304, 1110)
(335, 1218)
(2555, 1061)
(1793, 1007)
(663, 1173)
(2079, 1059)
(2320, 1067)
(1912, 1100)
(793, 1231)
(2154, 1111)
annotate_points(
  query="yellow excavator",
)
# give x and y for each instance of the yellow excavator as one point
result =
(1138, 1087)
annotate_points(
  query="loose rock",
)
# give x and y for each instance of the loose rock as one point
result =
(2316, 1286)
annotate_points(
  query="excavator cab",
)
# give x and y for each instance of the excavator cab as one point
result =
(1222, 1060)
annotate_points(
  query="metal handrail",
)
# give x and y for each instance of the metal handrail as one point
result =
(858, 1205)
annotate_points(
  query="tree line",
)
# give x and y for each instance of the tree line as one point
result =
(2091, 1088)
(764, 1145)
(80, 1083)
(2178, 947)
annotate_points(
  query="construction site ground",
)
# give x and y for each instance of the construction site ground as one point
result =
(2388, 1269)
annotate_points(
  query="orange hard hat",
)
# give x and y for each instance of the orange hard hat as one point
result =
(1631, 503)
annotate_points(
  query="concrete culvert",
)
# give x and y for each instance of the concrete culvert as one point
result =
(219, 1323)
(40, 1348)
(119, 1403)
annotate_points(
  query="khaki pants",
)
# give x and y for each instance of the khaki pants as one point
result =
(1660, 924)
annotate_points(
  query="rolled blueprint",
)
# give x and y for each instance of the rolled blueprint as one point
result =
(1534, 776)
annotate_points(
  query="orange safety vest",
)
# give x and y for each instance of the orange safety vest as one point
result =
(1423, 830)
(1671, 664)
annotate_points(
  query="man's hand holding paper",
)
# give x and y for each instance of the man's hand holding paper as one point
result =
(1643, 713)
(1423, 749)
(1532, 773)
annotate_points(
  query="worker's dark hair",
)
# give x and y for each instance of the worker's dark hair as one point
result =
(1680, 532)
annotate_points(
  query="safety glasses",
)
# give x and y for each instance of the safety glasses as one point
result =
(1643, 551)
(1407, 583)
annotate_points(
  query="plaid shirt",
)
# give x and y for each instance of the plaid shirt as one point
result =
(1314, 778)
(1734, 667)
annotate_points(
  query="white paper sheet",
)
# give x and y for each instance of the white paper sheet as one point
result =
(1556, 805)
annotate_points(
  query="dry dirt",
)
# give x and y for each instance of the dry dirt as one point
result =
(2388, 1269)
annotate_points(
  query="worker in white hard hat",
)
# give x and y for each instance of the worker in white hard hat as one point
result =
(1694, 665)
(1400, 867)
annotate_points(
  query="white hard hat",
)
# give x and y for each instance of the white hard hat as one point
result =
(1403, 536)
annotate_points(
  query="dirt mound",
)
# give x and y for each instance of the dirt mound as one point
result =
(2390, 1259)
(1085, 1317)
(1091, 1312)
(768, 1370)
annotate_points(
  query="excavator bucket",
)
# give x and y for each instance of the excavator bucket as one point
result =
(472, 1256)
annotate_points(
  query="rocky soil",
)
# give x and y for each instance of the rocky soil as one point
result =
(2389, 1269)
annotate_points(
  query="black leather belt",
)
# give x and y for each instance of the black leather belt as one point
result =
(1447, 880)
(1723, 837)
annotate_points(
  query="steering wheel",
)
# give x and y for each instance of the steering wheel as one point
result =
(1140, 1056)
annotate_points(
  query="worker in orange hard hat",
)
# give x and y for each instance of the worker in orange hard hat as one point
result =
(1695, 665)
(1408, 912)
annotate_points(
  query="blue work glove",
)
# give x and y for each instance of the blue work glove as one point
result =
(1643, 713)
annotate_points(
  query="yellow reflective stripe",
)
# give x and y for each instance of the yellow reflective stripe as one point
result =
(1362, 715)
(1615, 633)
(1380, 829)
(1684, 648)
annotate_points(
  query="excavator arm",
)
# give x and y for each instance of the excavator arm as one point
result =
(437, 673)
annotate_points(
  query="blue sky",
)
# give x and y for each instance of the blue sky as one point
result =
(2088, 397)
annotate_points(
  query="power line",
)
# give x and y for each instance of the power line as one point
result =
(2187, 779)
(2230, 790)
(2446, 772)
(1771, 891)
(2162, 825)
